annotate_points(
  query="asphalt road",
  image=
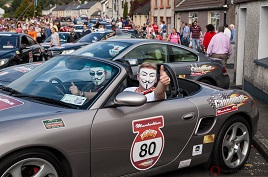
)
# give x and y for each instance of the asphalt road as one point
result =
(255, 166)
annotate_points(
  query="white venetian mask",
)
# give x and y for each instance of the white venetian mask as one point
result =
(97, 75)
(147, 77)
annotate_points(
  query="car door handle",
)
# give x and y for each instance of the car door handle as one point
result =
(188, 116)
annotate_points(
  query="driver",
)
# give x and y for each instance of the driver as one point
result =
(98, 75)
(147, 78)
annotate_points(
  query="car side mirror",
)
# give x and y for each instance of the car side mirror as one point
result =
(133, 61)
(128, 98)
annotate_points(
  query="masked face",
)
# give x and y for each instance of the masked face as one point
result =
(97, 75)
(147, 77)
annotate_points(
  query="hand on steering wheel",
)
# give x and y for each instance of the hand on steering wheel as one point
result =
(62, 89)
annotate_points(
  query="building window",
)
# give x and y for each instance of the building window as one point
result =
(155, 19)
(214, 19)
(193, 16)
(263, 37)
(155, 4)
(167, 4)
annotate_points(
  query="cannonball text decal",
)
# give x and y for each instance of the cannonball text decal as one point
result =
(224, 103)
(148, 145)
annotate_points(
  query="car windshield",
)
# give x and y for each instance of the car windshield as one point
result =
(103, 49)
(80, 27)
(92, 37)
(53, 80)
(8, 42)
(63, 37)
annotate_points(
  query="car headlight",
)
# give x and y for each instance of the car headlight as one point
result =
(67, 51)
(3, 61)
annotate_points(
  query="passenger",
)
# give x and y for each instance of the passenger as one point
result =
(147, 78)
(98, 74)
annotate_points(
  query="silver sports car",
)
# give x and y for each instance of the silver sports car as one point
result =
(104, 131)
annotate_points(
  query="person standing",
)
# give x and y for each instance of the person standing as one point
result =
(174, 37)
(155, 27)
(55, 39)
(220, 46)
(186, 35)
(195, 35)
(73, 36)
(227, 31)
(164, 30)
(208, 36)
(32, 32)
(86, 30)
(19, 28)
(232, 28)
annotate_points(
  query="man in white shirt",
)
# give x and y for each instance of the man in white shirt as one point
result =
(227, 31)
(147, 78)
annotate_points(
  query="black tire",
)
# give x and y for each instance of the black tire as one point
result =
(221, 151)
(33, 156)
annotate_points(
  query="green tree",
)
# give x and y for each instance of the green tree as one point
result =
(125, 13)
(25, 9)
(15, 4)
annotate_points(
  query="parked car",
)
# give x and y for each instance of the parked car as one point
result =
(47, 131)
(188, 63)
(83, 41)
(63, 39)
(18, 48)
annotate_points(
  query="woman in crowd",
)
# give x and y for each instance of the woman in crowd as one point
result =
(174, 37)
(208, 36)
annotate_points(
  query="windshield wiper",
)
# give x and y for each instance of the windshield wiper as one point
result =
(9, 89)
(45, 99)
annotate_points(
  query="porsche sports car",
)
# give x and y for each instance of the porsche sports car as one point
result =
(47, 131)
(188, 63)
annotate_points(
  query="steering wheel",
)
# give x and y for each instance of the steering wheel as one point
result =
(60, 83)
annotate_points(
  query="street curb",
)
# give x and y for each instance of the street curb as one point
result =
(261, 144)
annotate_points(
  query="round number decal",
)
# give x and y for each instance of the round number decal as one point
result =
(148, 145)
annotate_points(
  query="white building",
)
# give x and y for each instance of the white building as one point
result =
(2, 12)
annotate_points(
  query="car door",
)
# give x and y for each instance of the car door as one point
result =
(26, 54)
(185, 62)
(129, 139)
(35, 49)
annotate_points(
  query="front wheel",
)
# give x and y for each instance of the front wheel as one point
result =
(232, 145)
(31, 163)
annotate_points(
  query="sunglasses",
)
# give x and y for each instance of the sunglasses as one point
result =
(98, 73)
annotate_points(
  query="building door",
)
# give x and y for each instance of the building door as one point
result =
(241, 46)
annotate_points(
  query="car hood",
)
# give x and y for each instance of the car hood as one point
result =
(12, 108)
(68, 46)
(3, 53)
(46, 45)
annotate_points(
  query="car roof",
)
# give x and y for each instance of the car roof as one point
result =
(148, 41)
(10, 34)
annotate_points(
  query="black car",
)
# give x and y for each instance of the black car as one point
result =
(83, 41)
(19, 48)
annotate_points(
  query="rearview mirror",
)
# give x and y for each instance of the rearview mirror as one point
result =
(132, 61)
(128, 98)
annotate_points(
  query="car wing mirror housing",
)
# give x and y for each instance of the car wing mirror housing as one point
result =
(133, 61)
(128, 98)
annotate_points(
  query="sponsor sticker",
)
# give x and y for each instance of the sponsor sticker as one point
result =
(181, 76)
(224, 103)
(23, 69)
(148, 144)
(30, 56)
(185, 163)
(73, 99)
(208, 139)
(8, 102)
(197, 149)
(3, 73)
(53, 123)
(198, 70)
